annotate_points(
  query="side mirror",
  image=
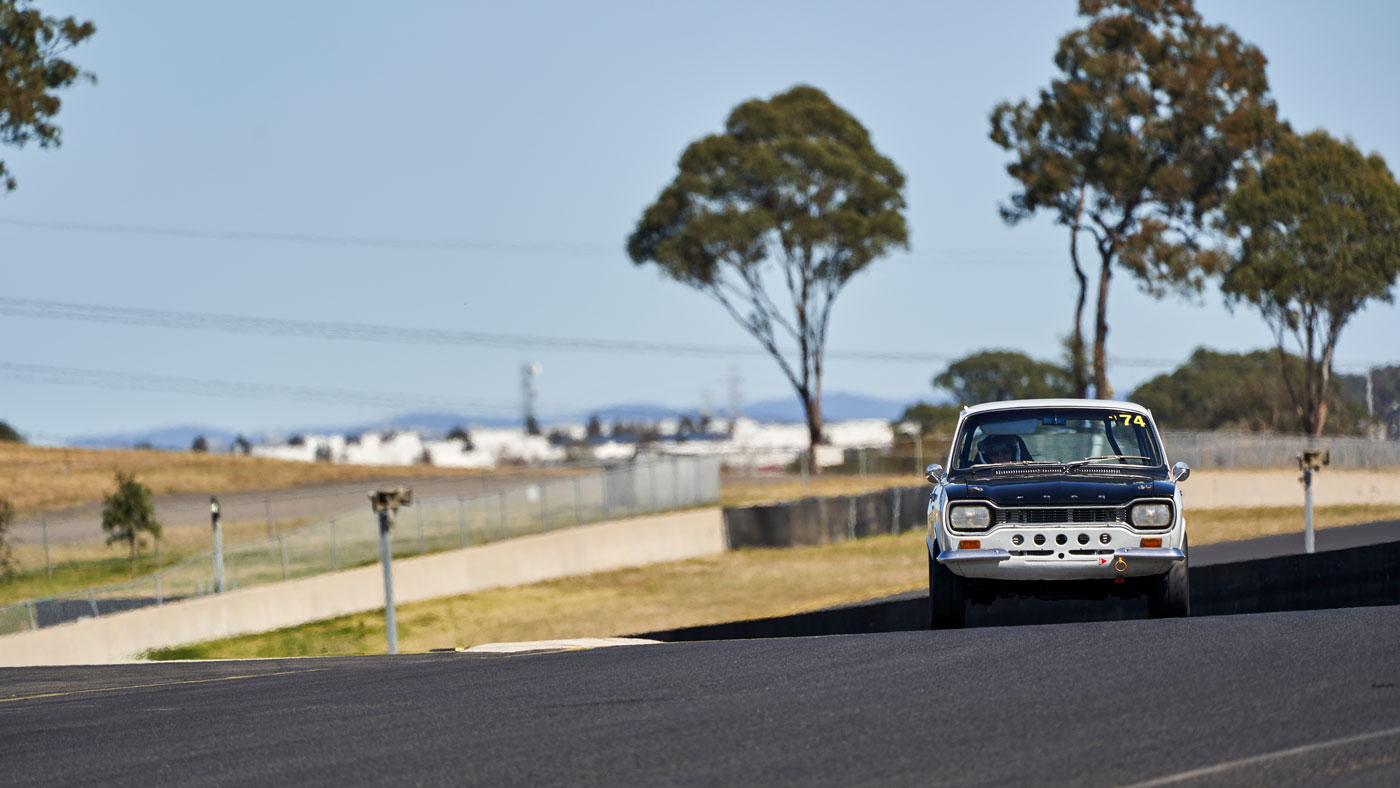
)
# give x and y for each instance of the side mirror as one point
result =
(935, 474)
(1180, 472)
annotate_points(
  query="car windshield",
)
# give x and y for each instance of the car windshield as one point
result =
(1057, 435)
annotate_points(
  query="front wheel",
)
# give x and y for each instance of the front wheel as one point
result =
(1170, 596)
(945, 597)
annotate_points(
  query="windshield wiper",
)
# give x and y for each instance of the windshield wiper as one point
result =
(1015, 462)
(1102, 457)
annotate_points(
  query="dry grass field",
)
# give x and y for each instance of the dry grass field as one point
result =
(34, 477)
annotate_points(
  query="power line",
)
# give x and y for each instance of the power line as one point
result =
(950, 256)
(337, 330)
(171, 384)
(360, 332)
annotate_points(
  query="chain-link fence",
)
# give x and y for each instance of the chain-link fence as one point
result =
(1200, 450)
(1210, 450)
(351, 539)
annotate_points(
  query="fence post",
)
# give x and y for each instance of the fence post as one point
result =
(282, 545)
(92, 600)
(160, 597)
(578, 505)
(33, 619)
(675, 483)
(418, 512)
(894, 511)
(505, 517)
(48, 566)
(603, 486)
(851, 518)
(543, 513)
(335, 559)
(271, 530)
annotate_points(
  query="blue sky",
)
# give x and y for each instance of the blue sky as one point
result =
(528, 137)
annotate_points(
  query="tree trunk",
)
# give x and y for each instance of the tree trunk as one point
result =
(1079, 375)
(813, 407)
(1101, 388)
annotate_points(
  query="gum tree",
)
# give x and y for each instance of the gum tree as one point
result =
(1319, 235)
(127, 513)
(31, 72)
(772, 218)
(1136, 143)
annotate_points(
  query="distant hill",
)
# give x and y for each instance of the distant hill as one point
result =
(836, 406)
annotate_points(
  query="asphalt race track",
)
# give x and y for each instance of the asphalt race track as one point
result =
(1300, 698)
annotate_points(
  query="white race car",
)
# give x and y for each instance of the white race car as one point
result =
(1059, 498)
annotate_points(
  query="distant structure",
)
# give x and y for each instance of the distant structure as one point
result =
(736, 394)
(528, 372)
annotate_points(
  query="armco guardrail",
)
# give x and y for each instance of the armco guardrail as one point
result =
(431, 525)
(1352, 577)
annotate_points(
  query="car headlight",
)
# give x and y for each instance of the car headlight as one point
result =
(1150, 514)
(969, 517)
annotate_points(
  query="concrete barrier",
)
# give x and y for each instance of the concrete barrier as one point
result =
(1352, 577)
(528, 559)
(815, 521)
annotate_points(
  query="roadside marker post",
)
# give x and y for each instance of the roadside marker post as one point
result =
(218, 545)
(386, 503)
(1309, 461)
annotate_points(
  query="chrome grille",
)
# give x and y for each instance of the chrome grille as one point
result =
(1070, 514)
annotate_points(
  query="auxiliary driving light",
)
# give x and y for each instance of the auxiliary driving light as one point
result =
(1017, 539)
(1040, 538)
(1083, 538)
(1104, 538)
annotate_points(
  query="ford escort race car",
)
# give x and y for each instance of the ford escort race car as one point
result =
(1056, 498)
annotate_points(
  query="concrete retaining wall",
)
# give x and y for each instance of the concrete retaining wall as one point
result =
(528, 559)
(813, 521)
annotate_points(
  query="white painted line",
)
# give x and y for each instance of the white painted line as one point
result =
(558, 645)
(1258, 759)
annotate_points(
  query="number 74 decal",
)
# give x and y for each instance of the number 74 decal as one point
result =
(1127, 419)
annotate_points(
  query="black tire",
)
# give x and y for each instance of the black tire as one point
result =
(1170, 596)
(945, 597)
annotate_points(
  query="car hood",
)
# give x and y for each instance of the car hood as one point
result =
(1043, 492)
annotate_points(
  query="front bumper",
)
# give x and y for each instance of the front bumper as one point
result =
(1070, 561)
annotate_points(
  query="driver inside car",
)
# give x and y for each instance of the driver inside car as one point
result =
(1002, 448)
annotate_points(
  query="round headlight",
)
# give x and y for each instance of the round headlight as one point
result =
(1153, 515)
(969, 517)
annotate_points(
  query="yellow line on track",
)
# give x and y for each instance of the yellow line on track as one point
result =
(158, 684)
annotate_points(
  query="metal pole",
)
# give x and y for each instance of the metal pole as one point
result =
(386, 557)
(578, 510)
(282, 545)
(218, 546)
(462, 520)
(544, 515)
(33, 620)
(92, 600)
(271, 529)
(1307, 510)
(160, 597)
(418, 512)
(919, 452)
(803, 464)
(335, 559)
(505, 517)
(48, 565)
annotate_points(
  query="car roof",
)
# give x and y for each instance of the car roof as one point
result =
(1017, 404)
